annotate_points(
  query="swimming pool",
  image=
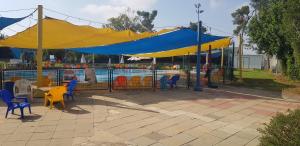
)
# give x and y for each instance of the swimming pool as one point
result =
(101, 74)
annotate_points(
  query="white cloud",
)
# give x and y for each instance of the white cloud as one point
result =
(115, 7)
(215, 3)
(103, 11)
(135, 4)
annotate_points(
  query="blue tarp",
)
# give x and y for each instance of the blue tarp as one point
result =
(173, 40)
(4, 21)
(17, 52)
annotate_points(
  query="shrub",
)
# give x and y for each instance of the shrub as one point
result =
(283, 130)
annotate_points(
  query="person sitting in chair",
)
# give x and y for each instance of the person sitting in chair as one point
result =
(90, 75)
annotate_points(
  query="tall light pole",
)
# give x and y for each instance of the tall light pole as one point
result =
(198, 67)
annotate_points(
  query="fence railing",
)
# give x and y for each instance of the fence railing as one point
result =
(110, 78)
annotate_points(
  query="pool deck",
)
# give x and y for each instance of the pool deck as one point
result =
(162, 118)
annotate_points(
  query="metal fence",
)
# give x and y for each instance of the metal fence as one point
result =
(113, 79)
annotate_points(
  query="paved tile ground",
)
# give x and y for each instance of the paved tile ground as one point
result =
(161, 118)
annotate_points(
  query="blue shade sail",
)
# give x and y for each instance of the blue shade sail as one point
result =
(169, 41)
(4, 21)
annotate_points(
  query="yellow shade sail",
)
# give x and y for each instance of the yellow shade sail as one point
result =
(59, 34)
(222, 43)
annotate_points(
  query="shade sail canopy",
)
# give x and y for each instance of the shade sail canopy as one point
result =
(59, 34)
(175, 43)
(5, 21)
(191, 50)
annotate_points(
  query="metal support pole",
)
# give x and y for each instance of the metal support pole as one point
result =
(2, 78)
(222, 58)
(209, 67)
(232, 63)
(198, 67)
(39, 54)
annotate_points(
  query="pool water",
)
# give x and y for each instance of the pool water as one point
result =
(101, 74)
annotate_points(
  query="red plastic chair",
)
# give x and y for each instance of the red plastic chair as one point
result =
(120, 82)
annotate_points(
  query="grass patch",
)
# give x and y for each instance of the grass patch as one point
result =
(260, 79)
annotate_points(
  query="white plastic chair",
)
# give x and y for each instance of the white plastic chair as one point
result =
(22, 88)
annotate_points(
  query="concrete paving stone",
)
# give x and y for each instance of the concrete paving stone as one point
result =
(9, 125)
(102, 136)
(232, 117)
(117, 122)
(66, 122)
(181, 127)
(154, 127)
(68, 116)
(61, 142)
(246, 112)
(133, 125)
(208, 111)
(177, 140)
(198, 131)
(254, 142)
(245, 122)
(157, 144)
(142, 118)
(233, 140)
(45, 129)
(14, 143)
(155, 136)
(3, 138)
(143, 141)
(84, 133)
(7, 131)
(215, 124)
(38, 142)
(19, 137)
(248, 133)
(204, 140)
(64, 127)
(48, 123)
(231, 129)
(220, 134)
(41, 136)
(64, 134)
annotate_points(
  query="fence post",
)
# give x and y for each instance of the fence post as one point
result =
(188, 73)
(59, 77)
(2, 73)
(110, 79)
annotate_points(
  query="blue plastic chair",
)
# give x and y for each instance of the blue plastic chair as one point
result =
(164, 82)
(12, 105)
(172, 82)
(70, 89)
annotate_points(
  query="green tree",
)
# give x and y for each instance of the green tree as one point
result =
(146, 20)
(140, 21)
(194, 26)
(241, 17)
(291, 26)
(275, 30)
(123, 22)
(71, 56)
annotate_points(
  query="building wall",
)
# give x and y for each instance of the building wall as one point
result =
(251, 61)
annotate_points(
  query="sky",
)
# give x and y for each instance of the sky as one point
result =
(216, 16)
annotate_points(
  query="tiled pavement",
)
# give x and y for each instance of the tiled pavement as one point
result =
(161, 118)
